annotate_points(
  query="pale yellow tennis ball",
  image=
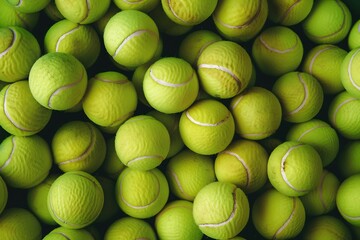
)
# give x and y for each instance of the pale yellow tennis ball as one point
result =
(240, 20)
(3, 195)
(112, 166)
(348, 159)
(12, 17)
(289, 12)
(143, 5)
(28, 6)
(63, 232)
(354, 36)
(350, 73)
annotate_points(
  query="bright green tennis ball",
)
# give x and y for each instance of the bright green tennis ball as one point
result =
(257, 113)
(300, 94)
(82, 41)
(243, 163)
(130, 228)
(324, 63)
(207, 127)
(329, 21)
(221, 210)
(75, 199)
(83, 12)
(188, 12)
(176, 222)
(19, 223)
(224, 69)
(58, 80)
(318, 134)
(31, 119)
(289, 12)
(294, 168)
(240, 20)
(170, 85)
(12, 17)
(28, 6)
(142, 142)
(188, 172)
(348, 159)
(19, 50)
(24, 161)
(3, 195)
(112, 166)
(131, 38)
(350, 72)
(277, 50)
(151, 195)
(78, 146)
(143, 5)
(110, 99)
(354, 36)
(277, 216)
(67, 233)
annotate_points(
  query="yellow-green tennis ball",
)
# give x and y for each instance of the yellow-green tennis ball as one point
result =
(318, 134)
(78, 146)
(31, 119)
(324, 63)
(3, 195)
(24, 161)
(19, 223)
(53, 12)
(143, 5)
(257, 113)
(130, 228)
(60, 233)
(170, 85)
(329, 21)
(207, 127)
(243, 163)
(350, 73)
(289, 12)
(354, 36)
(343, 115)
(188, 172)
(82, 41)
(75, 199)
(112, 166)
(224, 69)
(300, 94)
(11, 17)
(58, 81)
(277, 216)
(28, 6)
(294, 168)
(131, 38)
(277, 50)
(240, 20)
(110, 99)
(348, 159)
(188, 12)
(83, 12)
(347, 198)
(151, 195)
(176, 222)
(221, 210)
(19, 50)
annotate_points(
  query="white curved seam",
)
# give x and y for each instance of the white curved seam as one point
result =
(353, 83)
(311, 65)
(168, 84)
(287, 222)
(243, 163)
(306, 97)
(289, 9)
(12, 43)
(174, 13)
(134, 160)
(237, 102)
(7, 162)
(120, 81)
(308, 131)
(201, 50)
(58, 42)
(133, 2)
(88, 6)
(205, 124)
(351, 217)
(221, 68)
(340, 105)
(277, 50)
(19, 3)
(177, 181)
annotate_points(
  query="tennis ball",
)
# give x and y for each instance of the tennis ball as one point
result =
(224, 69)
(277, 216)
(19, 50)
(243, 163)
(324, 63)
(53, 12)
(170, 85)
(240, 20)
(176, 222)
(110, 99)
(354, 36)
(58, 81)
(24, 161)
(75, 199)
(348, 159)
(221, 210)
(19, 223)
(318, 134)
(67, 233)
(144, 5)
(28, 6)
(349, 72)
(321, 200)
(277, 50)
(189, 13)
(151, 195)
(294, 168)
(329, 21)
(257, 113)
(130, 228)
(347, 197)
(112, 166)
(207, 127)
(343, 115)
(289, 12)
(300, 94)
(82, 12)
(12, 17)
(78, 146)
(4, 195)
(101, 23)
(131, 33)
(188, 172)
(31, 119)
(82, 41)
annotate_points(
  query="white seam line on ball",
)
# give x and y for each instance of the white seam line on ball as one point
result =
(206, 124)
(88, 7)
(7, 162)
(288, 10)
(320, 191)
(306, 97)
(19, 3)
(355, 218)
(133, 2)
(62, 37)
(243, 163)
(119, 119)
(333, 117)
(277, 50)
(11, 45)
(119, 81)
(233, 106)
(174, 13)
(201, 50)
(287, 222)
(221, 68)
(177, 181)
(308, 131)
(167, 84)
(134, 160)
(313, 59)
(353, 83)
